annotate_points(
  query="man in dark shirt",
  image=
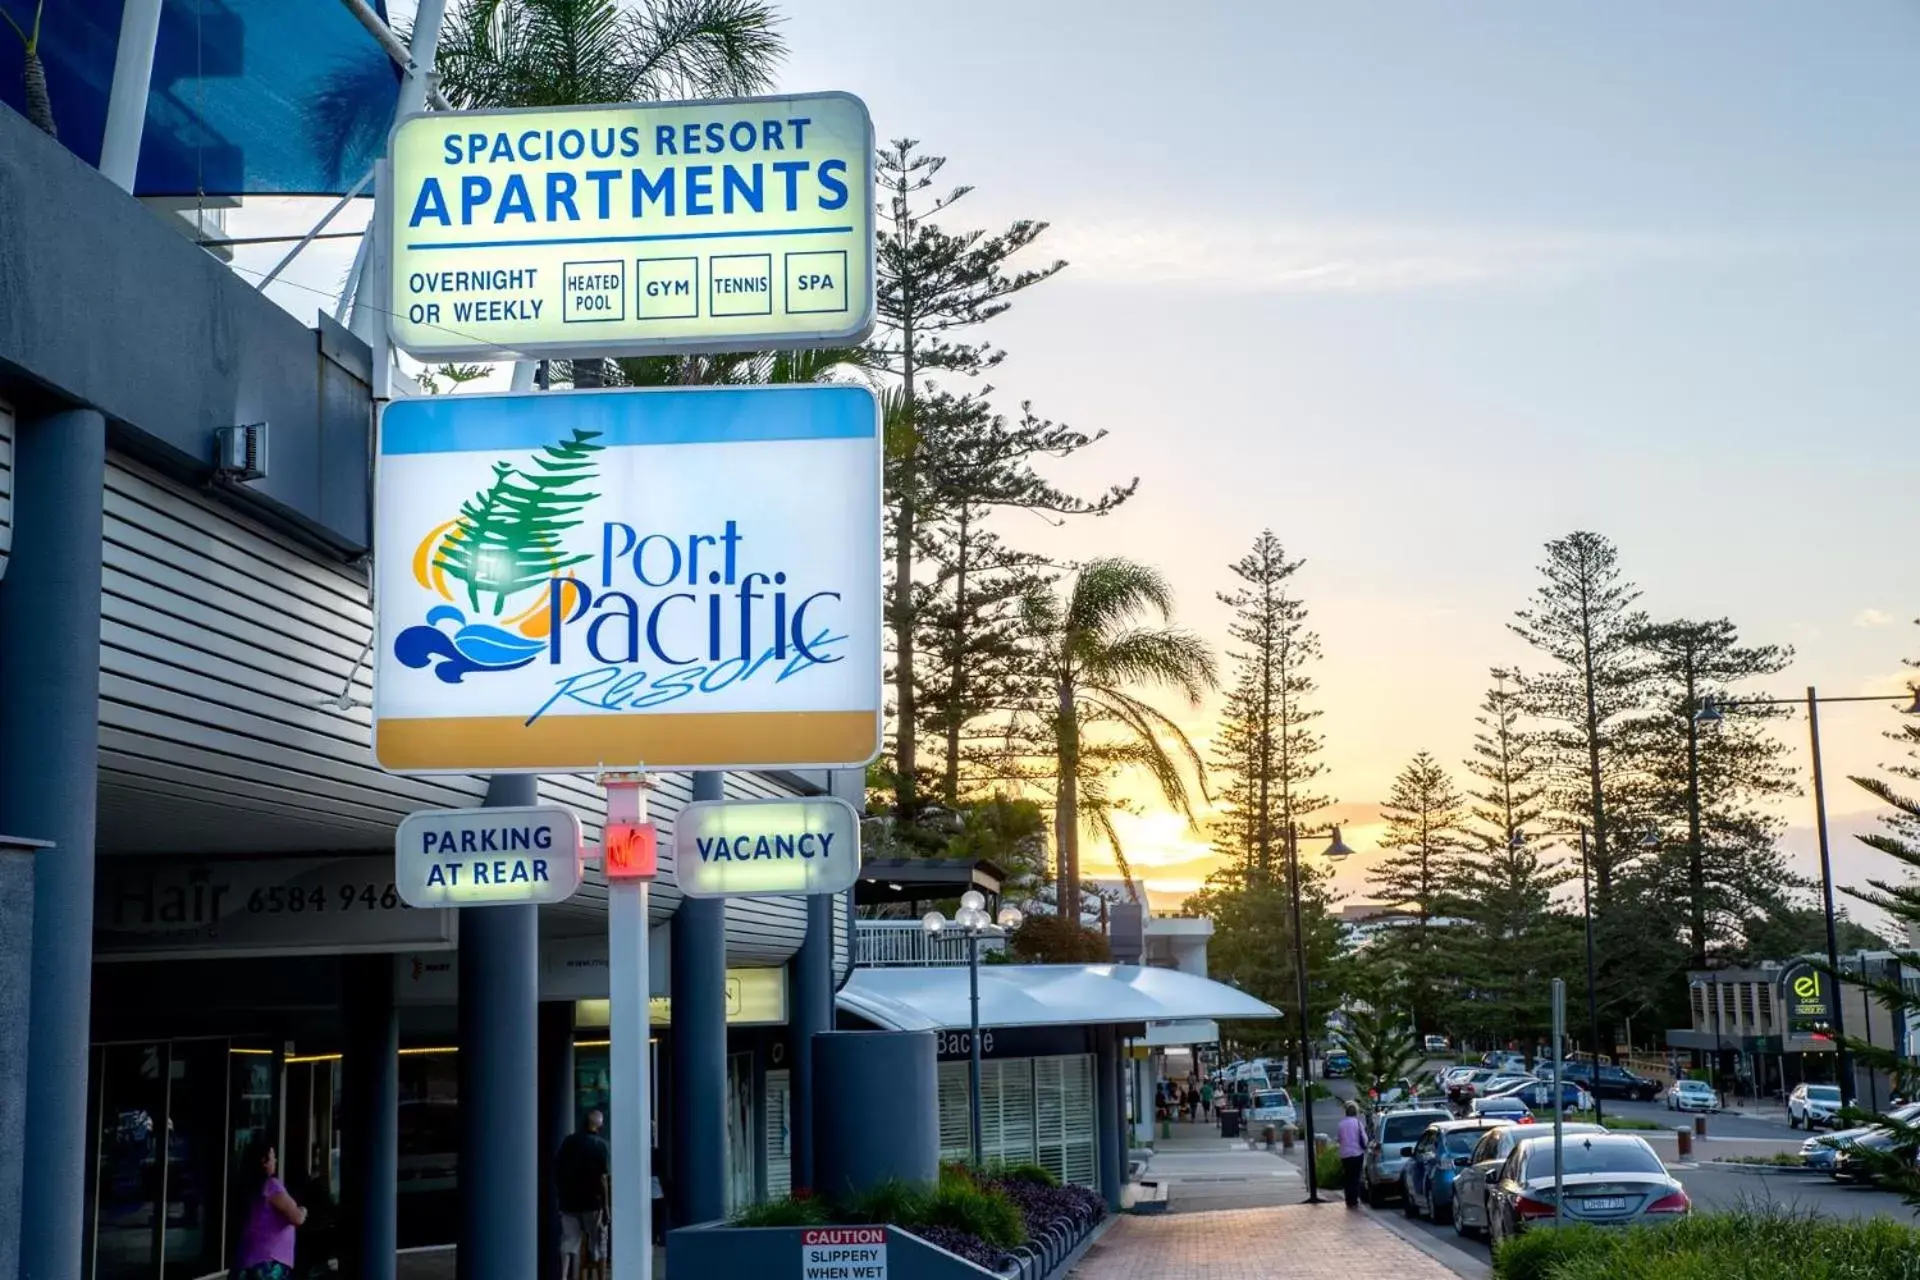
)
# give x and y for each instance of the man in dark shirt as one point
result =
(580, 1174)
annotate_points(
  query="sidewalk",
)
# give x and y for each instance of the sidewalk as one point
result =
(1201, 1171)
(1298, 1242)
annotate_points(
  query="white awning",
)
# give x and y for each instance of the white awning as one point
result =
(935, 997)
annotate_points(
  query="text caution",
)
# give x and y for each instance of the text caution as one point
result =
(485, 857)
(844, 1253)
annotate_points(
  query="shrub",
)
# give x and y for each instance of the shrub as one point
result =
(1329, 1174)
(972, 1248)
(788, 1211)
(1040, 1205)
(986, 1212)
(1028, 1172)
(889, 1203)
(1539, 1254)
(1053, 940)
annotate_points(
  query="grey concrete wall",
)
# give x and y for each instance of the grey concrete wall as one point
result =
(103, 305)
(876, 1110)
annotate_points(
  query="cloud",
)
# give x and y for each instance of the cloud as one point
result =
(1357, 258)
(1873, 618)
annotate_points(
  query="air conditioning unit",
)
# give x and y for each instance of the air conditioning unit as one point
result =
(240, 453)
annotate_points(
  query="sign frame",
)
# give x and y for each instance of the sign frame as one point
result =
(873, 476)
(566, 850)
(1798, 1020)
(684, 855)
(863, 312)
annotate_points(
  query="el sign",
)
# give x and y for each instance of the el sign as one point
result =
(623, 229)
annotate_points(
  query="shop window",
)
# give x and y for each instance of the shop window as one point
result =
(779, 1135)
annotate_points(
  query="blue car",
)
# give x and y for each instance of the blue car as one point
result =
(1426, 1183)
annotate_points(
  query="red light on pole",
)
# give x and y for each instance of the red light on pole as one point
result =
(630, 850)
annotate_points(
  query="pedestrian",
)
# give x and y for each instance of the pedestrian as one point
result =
(1206, 1101)
(1352, 1139)
(1193, 1103)
(580, 1174)
(266, 1249)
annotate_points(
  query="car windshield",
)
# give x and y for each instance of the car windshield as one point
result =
(1264, 1100)
(1405, 1128)
(1694, 1086)
(1823, 1093)
(1462, 1141)
(1593, 1157)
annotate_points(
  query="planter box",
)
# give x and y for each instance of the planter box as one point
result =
(812, 1253)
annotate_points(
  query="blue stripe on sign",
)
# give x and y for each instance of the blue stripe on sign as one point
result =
(729, 415)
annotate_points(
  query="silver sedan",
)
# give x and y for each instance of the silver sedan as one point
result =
(1611, 1179)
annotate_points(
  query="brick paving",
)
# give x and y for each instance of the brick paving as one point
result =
(1297, 1242)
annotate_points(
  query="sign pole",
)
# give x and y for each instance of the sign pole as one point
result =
(1559, 1099)
(631, 1028)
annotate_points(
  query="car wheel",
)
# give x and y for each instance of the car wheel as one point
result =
(1460, 1228)
(1408, 1205)
(1793, 1121)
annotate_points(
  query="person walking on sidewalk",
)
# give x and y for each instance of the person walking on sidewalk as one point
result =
(1352, 1140)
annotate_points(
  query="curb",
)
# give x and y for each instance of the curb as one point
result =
(1450, 1256)
(1741, 1166)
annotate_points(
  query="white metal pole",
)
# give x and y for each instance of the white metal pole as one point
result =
(353, 194)
(127, 101)
(523, 371)
(630, 1032)
(1559, 1101)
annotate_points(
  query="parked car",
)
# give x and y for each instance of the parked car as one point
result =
(1612, 1082)
(1426, 1183)
(1462, 1088)
(1692, 1095)
(1273, 1106)
(1538, 1095)
(1435, 1044)
(1508, 1063)
(1504, 1106)
(1822, 1151)
(1817, 1106)
(1852, 1164)
(1471, 1182)
(1611, 1179)
(1394, 1135)
(1336, 1065)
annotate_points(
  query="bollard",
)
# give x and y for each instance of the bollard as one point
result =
(1267, 1136)
(1683, 1144)
(1286, 1138)
(1700, 1126)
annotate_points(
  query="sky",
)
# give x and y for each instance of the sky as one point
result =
(1422, 286)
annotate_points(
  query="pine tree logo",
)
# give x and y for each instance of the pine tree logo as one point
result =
(507, 537)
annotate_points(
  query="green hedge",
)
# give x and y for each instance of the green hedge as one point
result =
(1771, 1244)
(1328, 1174)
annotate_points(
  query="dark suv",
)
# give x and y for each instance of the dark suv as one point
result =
(1613, 1082)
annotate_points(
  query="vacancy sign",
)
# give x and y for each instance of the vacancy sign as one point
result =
(487, 857)
(730, 848)
(632, 228)
(684, 578)
(843, 1253)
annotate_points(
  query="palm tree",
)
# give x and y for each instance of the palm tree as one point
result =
(562, 53)
(1093, 646)
(39, 105)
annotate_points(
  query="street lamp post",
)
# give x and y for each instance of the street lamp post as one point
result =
(1710, 715)
(973, 921)
(1336, 850)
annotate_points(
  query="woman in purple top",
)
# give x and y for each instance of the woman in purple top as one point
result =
(1352, 1139)
(266, 1233)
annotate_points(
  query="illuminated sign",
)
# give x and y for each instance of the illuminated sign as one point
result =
(730, 848)
(630, 850)
(1807, 994)
(486, 857)
(632, 228)
(679, 578)
(755, 998)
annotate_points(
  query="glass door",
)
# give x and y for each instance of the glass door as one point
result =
(194, 1184)
(740, 1131)
(131, 1165)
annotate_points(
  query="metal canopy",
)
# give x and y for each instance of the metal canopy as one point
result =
(935, 998)
(924, 879)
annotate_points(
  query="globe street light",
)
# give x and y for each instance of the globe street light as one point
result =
(973, 921)
(1336, 850)
(1711, 715)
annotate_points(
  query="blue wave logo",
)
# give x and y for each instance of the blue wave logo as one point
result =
(461, 647)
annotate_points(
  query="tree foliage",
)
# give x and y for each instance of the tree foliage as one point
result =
(1418, 874)
(1379, 1034)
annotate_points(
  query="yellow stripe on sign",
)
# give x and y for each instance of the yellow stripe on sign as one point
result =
(571, 744)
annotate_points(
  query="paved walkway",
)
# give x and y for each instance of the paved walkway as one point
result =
(1297, 1242)
(1202, 1171)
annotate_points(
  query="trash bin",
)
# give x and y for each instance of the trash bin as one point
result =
(1229, 1122)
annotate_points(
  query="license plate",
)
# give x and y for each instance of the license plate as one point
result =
(1604, 1204)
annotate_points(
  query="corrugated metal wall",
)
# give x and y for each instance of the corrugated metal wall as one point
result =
(225, 653)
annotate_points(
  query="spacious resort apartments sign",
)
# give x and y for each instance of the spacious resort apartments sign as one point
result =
(720, 226)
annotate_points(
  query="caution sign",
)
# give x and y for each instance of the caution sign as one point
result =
(632, 228)
(844, 1253)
